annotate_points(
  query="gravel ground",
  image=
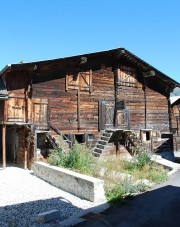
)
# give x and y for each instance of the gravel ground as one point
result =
(23, 196)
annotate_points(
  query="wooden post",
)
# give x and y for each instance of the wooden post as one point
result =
(145, 104)
(35, 147)
(115, 96)
(4, 145)
(25, 159)
(78, 108)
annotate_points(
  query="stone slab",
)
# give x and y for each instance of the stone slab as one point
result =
(48, 216)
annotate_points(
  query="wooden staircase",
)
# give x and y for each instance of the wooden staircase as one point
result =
(102, 144)
(128, 138)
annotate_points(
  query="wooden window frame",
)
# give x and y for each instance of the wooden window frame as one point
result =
(127, 76)
(79, 81)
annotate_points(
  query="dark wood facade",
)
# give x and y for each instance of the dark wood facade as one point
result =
(81, 96)
(175, 115)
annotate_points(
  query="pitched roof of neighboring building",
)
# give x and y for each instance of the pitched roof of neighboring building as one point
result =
(173, 99)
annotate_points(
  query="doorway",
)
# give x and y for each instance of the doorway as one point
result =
(12, 144)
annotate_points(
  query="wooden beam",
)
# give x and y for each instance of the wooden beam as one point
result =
(4, 145)
(145, 104)
(78, 108)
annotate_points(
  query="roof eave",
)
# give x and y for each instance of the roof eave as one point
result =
(6, 68)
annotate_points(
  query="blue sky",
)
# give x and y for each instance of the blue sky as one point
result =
(32, 30)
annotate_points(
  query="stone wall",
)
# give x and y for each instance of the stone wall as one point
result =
(80, 185)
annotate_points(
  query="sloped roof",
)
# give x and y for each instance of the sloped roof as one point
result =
(114, 53)
(3, 90)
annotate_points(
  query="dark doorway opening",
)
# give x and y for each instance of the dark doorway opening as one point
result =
(79, 138)
(12, 144)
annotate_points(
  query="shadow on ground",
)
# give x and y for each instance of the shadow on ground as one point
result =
(24, 214)
(159, 207)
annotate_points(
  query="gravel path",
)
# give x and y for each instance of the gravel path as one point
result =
(23, 196)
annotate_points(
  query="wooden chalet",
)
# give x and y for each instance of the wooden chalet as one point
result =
(112, 100)
(175, 113)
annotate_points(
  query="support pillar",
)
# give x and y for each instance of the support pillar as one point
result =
(4, 145)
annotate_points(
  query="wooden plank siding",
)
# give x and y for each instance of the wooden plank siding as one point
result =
(175, 115)
(63, 104)
(64, 107)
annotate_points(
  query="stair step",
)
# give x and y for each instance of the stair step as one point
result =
(107, 134)
(96, 154)
(100, 146)
(98, 150)
(105, 138)
(103, 142)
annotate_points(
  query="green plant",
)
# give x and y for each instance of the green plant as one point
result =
(78, 158)
(116, 196)
(157, 174)
(143, 159)
(56, 157)
(130, 167)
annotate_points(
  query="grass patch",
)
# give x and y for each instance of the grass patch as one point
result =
(121, 178)
(119, 194)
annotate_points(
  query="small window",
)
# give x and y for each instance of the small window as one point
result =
(127, 76)
(80, 80)
(79, 138)
(121, 105)
(90, 137)
(65, 137)
(146, 135)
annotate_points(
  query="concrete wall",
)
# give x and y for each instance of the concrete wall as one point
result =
(80, 185)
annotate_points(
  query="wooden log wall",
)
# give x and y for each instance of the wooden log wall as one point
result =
(157, 111)
(176, 126)
(156, 107)
(63, 104)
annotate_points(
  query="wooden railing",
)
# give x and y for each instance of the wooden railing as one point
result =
(52, 126)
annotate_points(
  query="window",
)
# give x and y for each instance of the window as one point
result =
(79, 138)
(121, 105)
(90, 137)
(127, 76)
(146, 134)
(80, 80)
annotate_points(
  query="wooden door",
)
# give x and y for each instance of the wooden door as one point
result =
(40, 113)
(106, 115)
(15, 109)
(122, 119)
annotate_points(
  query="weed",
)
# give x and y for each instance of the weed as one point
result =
(78, 158)
(143, 158)
(125, 189)
(121, 178)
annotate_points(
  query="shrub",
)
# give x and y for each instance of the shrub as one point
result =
(143, 159)
(78, 158)
(56, 157)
